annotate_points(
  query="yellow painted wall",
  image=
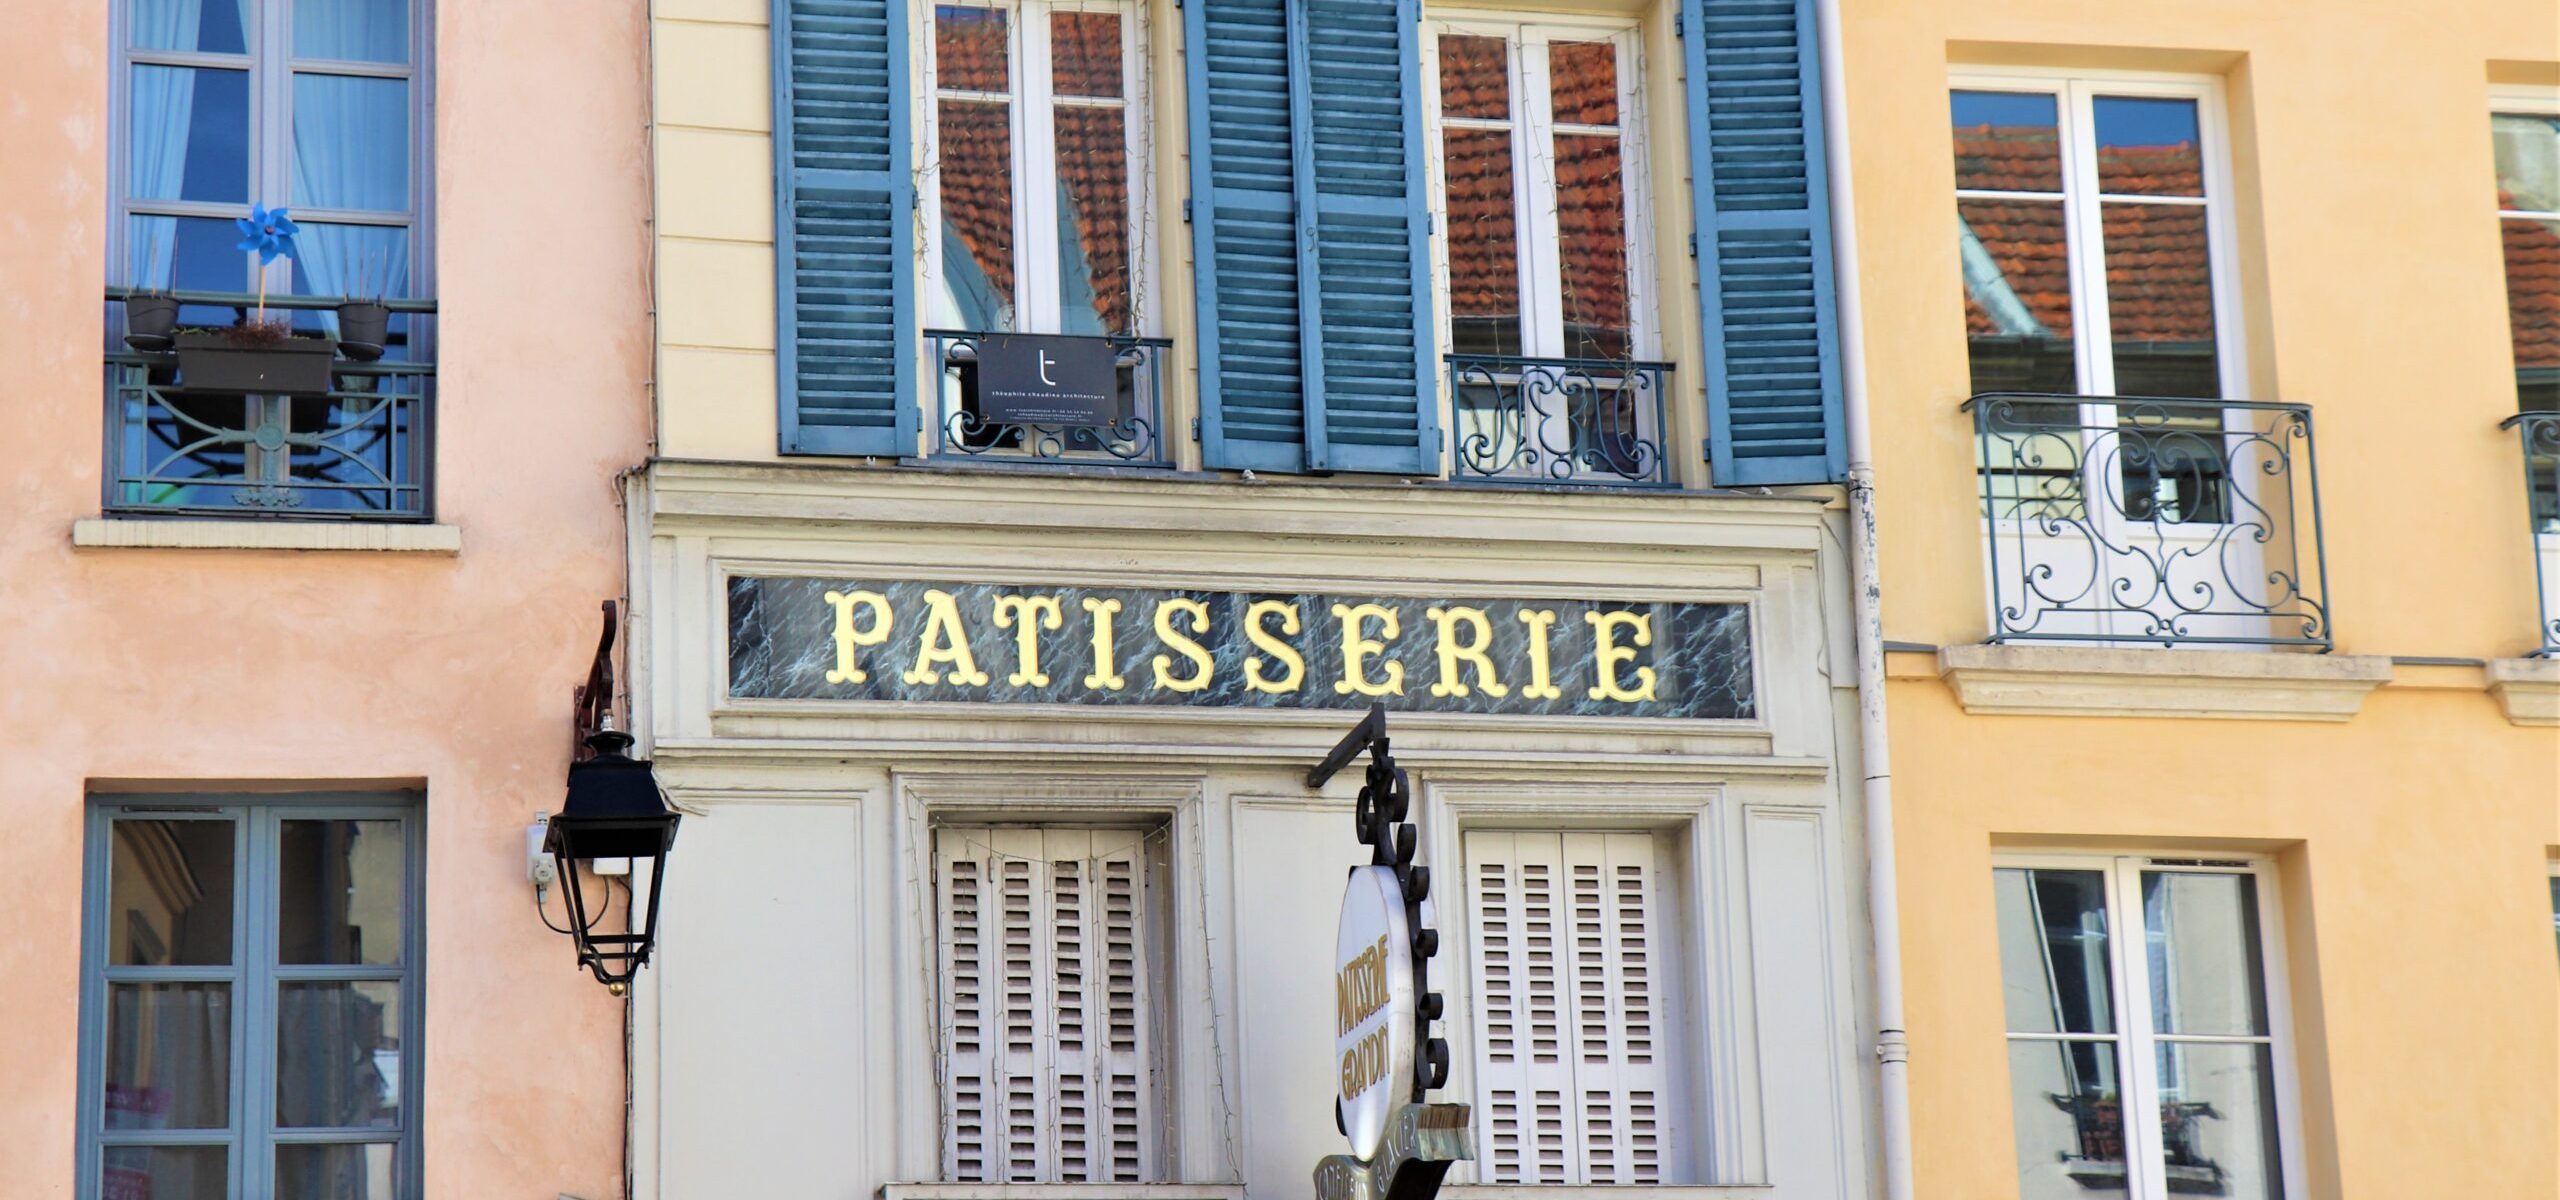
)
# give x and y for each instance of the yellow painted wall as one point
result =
(2411, 843)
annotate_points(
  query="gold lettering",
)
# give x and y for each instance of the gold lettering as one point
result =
(1027, 616)
(1254, 680)
(1542, 683)
(945, 640)
(1357, 649)
(1607, 654)
(1106, 674)
(1202, 665)
(848, 637)
(1452, 652)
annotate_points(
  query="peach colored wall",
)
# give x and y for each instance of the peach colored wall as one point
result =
(2411, 843)
(287, 666)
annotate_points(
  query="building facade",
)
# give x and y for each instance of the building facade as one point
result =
(2224, 760)
(1073, 416)
(289, 662)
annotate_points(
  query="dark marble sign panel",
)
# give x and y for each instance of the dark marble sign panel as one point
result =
(858, 639)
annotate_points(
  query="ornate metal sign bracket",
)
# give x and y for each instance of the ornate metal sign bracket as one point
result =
(1400, 1152)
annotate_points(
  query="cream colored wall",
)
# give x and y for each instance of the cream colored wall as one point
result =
(160, 667)
(2410, 841)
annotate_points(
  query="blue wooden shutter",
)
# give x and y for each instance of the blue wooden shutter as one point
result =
(1372, 396)
(844, 228)
(1312, 251)
(1764, 242)
(1244, 232)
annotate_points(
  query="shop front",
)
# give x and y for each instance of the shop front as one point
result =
(1001, 865)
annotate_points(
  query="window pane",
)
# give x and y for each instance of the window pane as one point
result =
(165, 1173)
(2147, 147)
(2007, 142)
(2068, 1116)
(1484, 243)
(351, 142)
(2218, 1121)
(977, 214)
(190, 135)
(338, 1054)
(1084, 49)
(1591, 226)
(360, 1171)
(355, 30)
(169, 885)
(2053, 950)
(1093, 221)
(2206, 972)
(2533, 308)
(189, 254)
(2528, 150)
(168, 1056)
(1583, 77)
(1475, 79)
(2160, 300)
(339, 886)
(2017, 296)
(210, 26)
(969, 49)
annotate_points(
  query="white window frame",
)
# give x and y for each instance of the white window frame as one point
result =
(1533, 172)
(2128, 972)
(2542, 102)
(1032, 106)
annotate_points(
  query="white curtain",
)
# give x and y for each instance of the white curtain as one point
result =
(163, 104)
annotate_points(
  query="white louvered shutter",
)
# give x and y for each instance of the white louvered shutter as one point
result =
(1569, 984)
(1046, 1017)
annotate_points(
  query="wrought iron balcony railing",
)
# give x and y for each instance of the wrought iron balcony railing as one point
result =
(2150, 520)
(1585, 421)
(1134, 437)
(2539, 432)
(362, 449)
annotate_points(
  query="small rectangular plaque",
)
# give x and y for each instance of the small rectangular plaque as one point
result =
(1040, 379)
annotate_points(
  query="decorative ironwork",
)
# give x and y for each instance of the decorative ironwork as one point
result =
(360, 451)
(1584, 421)
(2145, 519)
(2539, 432)
(591, 703)
(1386, 798)
(1134, 438)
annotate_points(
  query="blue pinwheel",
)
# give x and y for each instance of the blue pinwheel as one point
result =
(268, 233)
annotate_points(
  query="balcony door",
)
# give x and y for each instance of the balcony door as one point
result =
(2121, 505)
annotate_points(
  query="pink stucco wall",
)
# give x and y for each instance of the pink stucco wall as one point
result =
(227, 665)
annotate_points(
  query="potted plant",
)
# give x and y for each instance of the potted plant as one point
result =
(364, 324)
(257, 355)
(150, 311)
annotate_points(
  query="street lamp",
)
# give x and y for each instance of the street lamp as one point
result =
(613, 811)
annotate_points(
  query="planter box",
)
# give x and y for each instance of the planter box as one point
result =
(212, 362)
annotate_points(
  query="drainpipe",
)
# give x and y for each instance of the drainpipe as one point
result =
(1884, 906)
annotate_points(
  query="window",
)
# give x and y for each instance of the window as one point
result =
(2528, 158)
(316, 105)
(1037, 171)
(2143, 1039)
(1575, 1054)
(1048, 1014)
(250, 1015)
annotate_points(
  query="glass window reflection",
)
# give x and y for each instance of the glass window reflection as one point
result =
(2007, 141)
(2148, 146)
(2053, 951)
(352, 30)
(187, 134)
(170, 885)
(340, 886)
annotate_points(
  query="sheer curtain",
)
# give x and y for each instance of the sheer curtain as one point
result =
(163, 103)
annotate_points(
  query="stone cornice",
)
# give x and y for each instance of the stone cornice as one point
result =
(2106, 682)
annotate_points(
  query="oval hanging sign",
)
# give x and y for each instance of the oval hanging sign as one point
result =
(1373, 1006)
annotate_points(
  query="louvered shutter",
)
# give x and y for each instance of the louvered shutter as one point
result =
(1569, 978)
(845, 328)
(1046, 1021)
(1764, 242)
(1311, 247)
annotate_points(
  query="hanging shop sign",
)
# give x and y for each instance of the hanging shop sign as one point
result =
(1042, 379)
(1373, 1005)
(800, 638)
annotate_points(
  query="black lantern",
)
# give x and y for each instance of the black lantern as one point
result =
(613, 811)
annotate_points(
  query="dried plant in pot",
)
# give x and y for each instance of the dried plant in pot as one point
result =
(150, 311)
(257, 355)
(364, 321)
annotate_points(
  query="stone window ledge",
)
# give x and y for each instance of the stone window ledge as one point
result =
(102, 533)
(1061, 1191)
(1550, 1191)
(2083, 681)
(2528, 688)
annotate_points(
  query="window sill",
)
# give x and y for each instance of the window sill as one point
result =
(1558, 1191)
(1061, 1191)
(2528, 688)
(132, 533)
(2079, 681)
